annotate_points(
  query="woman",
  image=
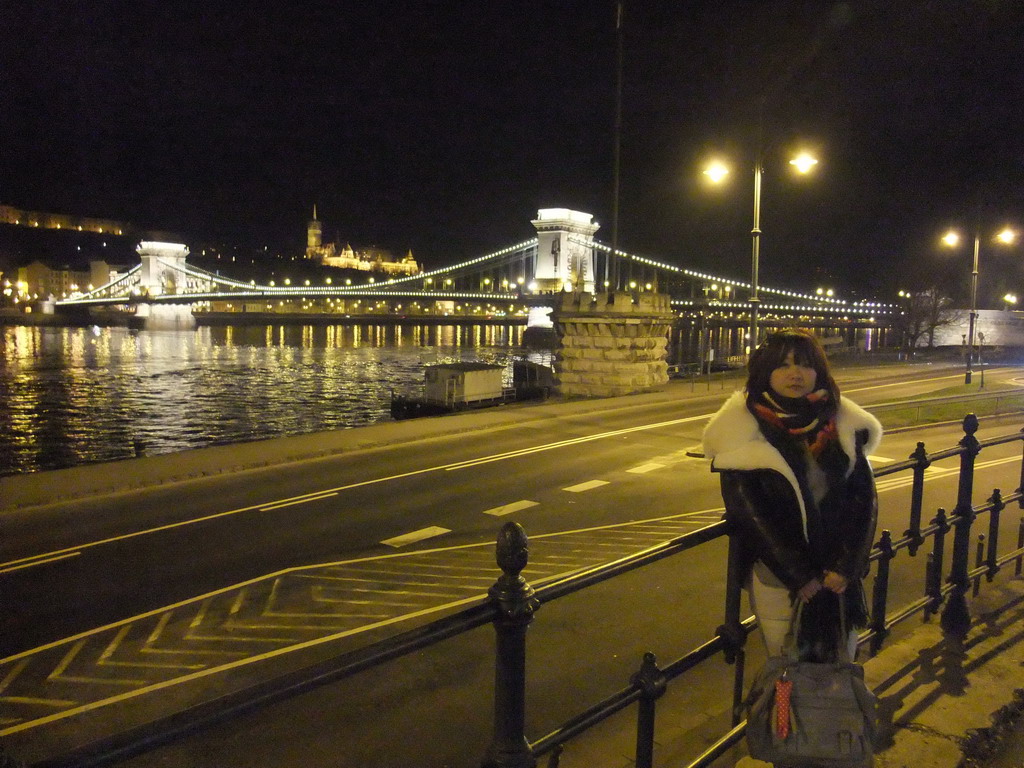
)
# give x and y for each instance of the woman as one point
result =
(798, 492)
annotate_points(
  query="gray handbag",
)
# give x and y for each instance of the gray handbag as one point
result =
(803, 713)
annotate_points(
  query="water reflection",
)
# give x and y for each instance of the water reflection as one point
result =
(75, 395)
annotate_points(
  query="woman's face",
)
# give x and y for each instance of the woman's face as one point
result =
(791, 379)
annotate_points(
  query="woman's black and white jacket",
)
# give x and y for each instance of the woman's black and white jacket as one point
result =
(763, 503)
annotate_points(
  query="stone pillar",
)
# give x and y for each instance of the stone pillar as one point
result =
(162, 265)
(611, 343)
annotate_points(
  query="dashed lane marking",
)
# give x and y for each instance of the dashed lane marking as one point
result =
(327, 492)
(587, 486)
(644, 468)
(508, 509)
(413, 536)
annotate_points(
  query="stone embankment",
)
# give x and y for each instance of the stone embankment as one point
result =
(611, 343)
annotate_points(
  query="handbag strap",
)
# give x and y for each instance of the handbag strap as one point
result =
(789, 645)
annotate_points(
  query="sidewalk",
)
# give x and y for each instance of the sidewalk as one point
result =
(938, 699)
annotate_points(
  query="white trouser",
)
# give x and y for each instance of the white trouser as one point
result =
(770, 600)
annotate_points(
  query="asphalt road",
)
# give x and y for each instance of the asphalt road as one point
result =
(586, 485)
(72, 567)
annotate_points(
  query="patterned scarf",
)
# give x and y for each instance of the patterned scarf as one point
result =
(802, 418)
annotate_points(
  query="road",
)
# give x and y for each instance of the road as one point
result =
(214, 571)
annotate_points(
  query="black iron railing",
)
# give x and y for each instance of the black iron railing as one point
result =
(511, 604)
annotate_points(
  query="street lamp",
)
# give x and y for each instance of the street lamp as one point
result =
(717, 171)
(952, 239)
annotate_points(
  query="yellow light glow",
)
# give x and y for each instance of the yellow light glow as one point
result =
(951, 238)
(716, 171)
(1007, 236)
(804, 162)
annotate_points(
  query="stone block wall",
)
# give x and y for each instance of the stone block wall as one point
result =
(611, 343)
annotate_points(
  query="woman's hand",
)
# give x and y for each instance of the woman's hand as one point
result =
(835, 582)
(809, 590)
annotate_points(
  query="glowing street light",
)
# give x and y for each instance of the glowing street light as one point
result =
(717, 171)
(952, 238)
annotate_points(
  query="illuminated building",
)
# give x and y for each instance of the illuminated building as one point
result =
(364, 259)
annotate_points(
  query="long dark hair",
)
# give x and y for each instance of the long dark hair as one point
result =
(806, 349)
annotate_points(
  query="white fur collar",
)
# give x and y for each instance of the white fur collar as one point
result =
(732, 439)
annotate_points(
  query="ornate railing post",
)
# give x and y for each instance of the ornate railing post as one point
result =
(956, 618)
(992, 560)
(652, 684)
(979, 560)
(1020, 502)
(731, 631)
(920, 455)
(516, 605)
(880, 592)
(1020, 544)
(933, 571)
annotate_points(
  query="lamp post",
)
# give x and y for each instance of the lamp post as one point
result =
(716, 171)
(952, 239)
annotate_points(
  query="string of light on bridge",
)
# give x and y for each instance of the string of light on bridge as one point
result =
(389, 289)
(861, 307)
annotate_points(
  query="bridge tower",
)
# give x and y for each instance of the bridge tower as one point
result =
(163, 274)
(564, 263)
(162, 267)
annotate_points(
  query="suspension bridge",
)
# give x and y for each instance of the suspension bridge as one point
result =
(501, 285)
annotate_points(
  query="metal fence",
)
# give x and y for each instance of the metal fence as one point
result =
(511, 604)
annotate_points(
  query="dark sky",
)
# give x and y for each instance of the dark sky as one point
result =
(443, 126)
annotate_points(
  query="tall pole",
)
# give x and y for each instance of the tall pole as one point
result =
(612, 267)
(755, 255)
(974, 309)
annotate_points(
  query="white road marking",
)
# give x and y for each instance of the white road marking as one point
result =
(880, 459)
(646, 468)
(573, 441)
(413, 536)
(360, 484)
(889, 484)
(42, 561)
(271, 507)
(508, 509)
(587, 486)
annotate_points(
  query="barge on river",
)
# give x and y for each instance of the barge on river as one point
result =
(451, 387)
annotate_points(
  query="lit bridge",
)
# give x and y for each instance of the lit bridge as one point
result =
(500, 286)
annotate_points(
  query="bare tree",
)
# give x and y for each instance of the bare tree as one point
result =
(922, 313)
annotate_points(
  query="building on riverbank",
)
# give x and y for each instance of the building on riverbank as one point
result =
(371, 259)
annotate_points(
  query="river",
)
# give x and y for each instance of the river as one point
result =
(71, 396)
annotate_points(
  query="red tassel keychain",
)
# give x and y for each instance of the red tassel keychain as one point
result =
(783, 688)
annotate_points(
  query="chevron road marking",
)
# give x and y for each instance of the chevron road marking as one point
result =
(287, 612)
